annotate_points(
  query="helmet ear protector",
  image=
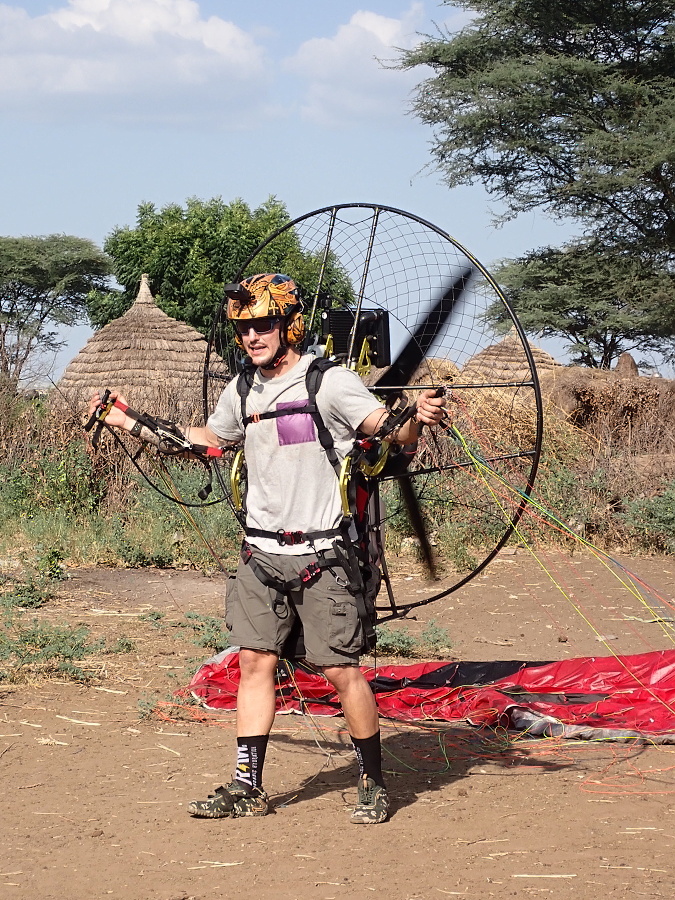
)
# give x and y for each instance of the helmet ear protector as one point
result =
(267, 295)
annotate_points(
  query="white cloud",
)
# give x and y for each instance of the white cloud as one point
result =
(129, 59)
(166, 61)
(348, 80)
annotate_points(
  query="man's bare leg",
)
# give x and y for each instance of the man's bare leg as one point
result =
(255, 714)
(356, 697)
(255, 697)
(360, 710)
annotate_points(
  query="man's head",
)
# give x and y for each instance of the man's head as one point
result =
(263, 306)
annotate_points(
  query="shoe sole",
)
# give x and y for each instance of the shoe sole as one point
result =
(365, 821)
(228, 814)
(205, 814)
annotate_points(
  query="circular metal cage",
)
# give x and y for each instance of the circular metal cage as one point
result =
(400, 300)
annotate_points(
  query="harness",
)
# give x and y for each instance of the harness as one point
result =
(350, 549)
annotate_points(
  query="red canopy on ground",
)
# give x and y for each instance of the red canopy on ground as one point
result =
(611, 697)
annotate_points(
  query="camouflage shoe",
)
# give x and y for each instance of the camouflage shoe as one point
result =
(235, 800)
(373, 803)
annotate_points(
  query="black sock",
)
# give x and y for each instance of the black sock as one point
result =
(251, 759)
(369, 756)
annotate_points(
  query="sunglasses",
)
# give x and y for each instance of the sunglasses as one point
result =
(264, 325)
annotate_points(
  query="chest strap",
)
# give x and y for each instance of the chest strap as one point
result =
(302, 407)
(313, 379)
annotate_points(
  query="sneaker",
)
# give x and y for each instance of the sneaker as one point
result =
(235, 800)
(373, 803)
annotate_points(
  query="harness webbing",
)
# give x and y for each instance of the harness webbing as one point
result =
(290, 538)
(308, 574)
(313, 379)
(345, 553)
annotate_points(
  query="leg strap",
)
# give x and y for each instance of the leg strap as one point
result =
(311, 571)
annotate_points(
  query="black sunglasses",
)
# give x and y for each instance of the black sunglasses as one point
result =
(261, 326)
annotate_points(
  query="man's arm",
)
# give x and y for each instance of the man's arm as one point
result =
(430, 411)
(117, 418)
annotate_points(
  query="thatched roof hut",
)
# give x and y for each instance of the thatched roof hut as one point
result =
(506, 361)
(155, 361)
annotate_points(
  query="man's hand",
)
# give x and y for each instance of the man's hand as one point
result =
(429, 410)
(430, 407)
(115, 417)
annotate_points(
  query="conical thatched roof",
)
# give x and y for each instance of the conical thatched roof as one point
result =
(155, 361)
(429, 372)
(506, 361)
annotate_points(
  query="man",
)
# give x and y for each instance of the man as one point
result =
(289, 565)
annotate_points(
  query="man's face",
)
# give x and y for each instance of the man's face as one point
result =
(261, 345)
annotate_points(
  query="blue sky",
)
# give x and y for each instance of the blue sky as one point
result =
(106, 104)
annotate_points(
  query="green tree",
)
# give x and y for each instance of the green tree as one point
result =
(190, 252)
(601, 302)
(569, 107)
(44, 283)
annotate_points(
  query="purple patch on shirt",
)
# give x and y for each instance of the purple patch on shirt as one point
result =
(295, 429)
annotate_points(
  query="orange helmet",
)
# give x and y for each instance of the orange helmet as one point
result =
(272, 296)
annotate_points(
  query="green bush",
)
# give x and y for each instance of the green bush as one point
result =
(209, 631)
(652, 521)
(41, 648)
(400, 642)
(395, 642)
(28, 595)
(435, 638)
(52, 478)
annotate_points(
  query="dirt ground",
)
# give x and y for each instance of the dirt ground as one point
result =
(97, 778)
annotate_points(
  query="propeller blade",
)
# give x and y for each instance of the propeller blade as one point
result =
(400, 372)
(417, 346)
(412, 505)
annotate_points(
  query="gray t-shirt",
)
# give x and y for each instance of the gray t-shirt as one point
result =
(291, 484)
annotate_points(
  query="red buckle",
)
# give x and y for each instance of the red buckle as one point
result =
(290, 537)
(312, 570)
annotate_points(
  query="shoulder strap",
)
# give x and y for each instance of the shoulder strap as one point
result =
(244, 385)
(313, 380)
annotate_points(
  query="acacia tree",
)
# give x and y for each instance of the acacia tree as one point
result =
(44, 283)
(565, 107)
(602, 303)
(191, 252)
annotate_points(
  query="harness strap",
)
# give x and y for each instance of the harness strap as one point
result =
(313, 381)
(310, 409)
(311, 571)
(349, 562)
(290, 538)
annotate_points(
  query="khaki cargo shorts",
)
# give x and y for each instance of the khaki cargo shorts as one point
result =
(259, 618)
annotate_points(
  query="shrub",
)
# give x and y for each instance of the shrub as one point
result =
(44, 649)
(28, 595)
(652, 520)
(209, 631)
(398, 642)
